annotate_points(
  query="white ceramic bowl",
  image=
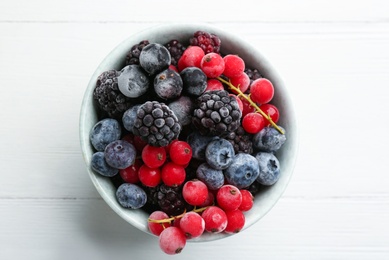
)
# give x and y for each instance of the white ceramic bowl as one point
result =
(253, 58)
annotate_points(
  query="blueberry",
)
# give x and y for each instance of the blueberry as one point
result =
(133, 82)
(100, 166)
(131, 196)
(154, 58)
(219, 154)
(183, 108)
(243, 170)
(269, 139)
(195, 81)
(104, 132)
(129, 117)
(269, 168)
(213, 178)
(168, 84)
(198, 143)
(120, 154)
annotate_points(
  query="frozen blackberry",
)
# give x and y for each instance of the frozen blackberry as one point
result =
(209, 42)
(240, 140)
(253, 74)
(156, 124)
(133, 55)
(176, 50)
(170, 200)
(108, 96)
(216, 113)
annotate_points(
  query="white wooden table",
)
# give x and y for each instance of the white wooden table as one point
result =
(334, 57)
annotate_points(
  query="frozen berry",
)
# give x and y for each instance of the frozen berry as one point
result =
(209, 42)
(129, 117)
(183, 108)
(150, 177)
(100, 166)
(120, 154)
(153, 156)
(157, 228)
(180, 152)
(272, 111)
(219, 154)
(243, 170)
(213, 178)
(228, 197)
(269, 139)
(215, 219)
(172, 174)
(247, 200)
(269, 168)
(214, 84)
(253, 123)
(194, 80)
(212, 64)
(235, 221)
(242, 81)
(172, 240)
(198, 143)
(168, 84)
(131, 196)
(234, 66)
(154, 58)
(190, 58)
(130, 174)
(133, 82)
(261, 91)
(195, 192)
(192, 224)
(104, 132)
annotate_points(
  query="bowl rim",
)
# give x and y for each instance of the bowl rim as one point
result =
(177, 28)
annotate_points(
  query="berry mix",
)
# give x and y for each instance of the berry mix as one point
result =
(187, 134)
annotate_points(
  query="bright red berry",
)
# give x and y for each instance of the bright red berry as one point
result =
(261, 91)
(191, 57)
(272, 111)
(235, 221)
(153, 156)
(192, 224)
(214, 84)
(247, 108)
(234, 65)
(130, 174)
(149, 177)
(157, 228)
(173, 174)
(172, 67)
(209, 201)
(180, 152)
(172, 240)
(228, 197)
(195, 192)
(215, 219)
(247, 200)
(253, 123)
(212, 64)
(241, 81)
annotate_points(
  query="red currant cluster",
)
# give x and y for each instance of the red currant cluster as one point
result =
(215, 211)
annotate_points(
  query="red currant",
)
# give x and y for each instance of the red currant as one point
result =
(228, 197)
(247, 108)
(247, 200)
(192, 224)
(253, 123)
(261, 91)
(173, 174)
(234, 66)
(212, 64)
(191, 57)
(235, 221)
(180, 152)
(153, 156)
(157, 228)
(214, 84)
(149, 177)
(172, 240)
(130, 174)
(215, 219)
(209, 201)
(272, 111)
(195, 192)
(241, 81)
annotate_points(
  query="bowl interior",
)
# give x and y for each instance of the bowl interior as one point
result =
(268, 197)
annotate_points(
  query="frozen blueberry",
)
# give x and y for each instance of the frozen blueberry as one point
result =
(213, 178)
(198, 143)
(269, 168)
(129, 117)
(168, 84)
(195, 81)
(131, 196)
(219, 154)
(100, 166)
(133, 82)
(183, 108)
(104, 132)
(243, 170)
(154, 58)
(269, 139)
(120, 154)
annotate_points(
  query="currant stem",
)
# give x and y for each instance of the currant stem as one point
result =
(247, 97)
(169, 220)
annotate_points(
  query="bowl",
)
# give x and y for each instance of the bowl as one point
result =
(231, 43)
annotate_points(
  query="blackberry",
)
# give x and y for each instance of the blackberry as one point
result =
(253, 74)
(170, 200)
(108, 96)
(216, 113)
(156, 123)
(209, 42)
(240, 140)
(176, 50)
(132, 56)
